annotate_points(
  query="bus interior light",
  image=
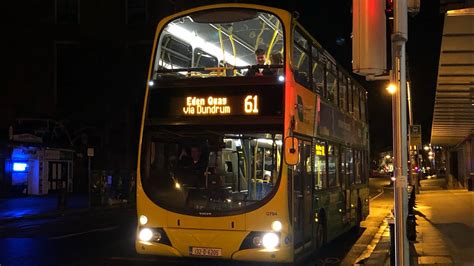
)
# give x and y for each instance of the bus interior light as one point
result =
(191, 37)
(281, 78)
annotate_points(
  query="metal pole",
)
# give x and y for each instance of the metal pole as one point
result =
(413, 150)
(399, 38)
(89, 187)
(410, 112)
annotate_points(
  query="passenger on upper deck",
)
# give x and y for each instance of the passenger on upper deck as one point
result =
(277, 59)
(258, 69)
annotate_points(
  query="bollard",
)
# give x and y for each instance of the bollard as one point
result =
(411, 227)
(411, 201)
(391, 224)
(62, 199)
(470, 182)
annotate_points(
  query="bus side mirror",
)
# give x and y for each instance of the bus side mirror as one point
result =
(291, 151)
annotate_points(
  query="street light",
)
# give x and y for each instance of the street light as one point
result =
(391, 88)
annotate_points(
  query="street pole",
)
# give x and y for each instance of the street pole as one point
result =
(90, 154)
(89, 187)
(413, 150)
(399, 99)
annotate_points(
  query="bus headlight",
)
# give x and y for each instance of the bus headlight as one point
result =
(270, 240)
(276, 226)
(145, 234)
(143, 219)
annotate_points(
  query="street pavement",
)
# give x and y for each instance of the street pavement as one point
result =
(445, 230)
(381, 203)
(106, 237)
(37, 206)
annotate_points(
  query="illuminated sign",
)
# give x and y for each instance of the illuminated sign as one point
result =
(213, 105)
(320, 150)
(210, 106)
(251, 104)
(220, 100)
(19, 167)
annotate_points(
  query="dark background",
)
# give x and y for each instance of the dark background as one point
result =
(85, 63)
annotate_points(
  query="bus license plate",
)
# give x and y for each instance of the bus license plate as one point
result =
(207, 252)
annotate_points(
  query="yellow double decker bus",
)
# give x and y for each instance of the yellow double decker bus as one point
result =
(246, 159)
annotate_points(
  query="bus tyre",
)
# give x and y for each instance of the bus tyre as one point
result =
(321, 231)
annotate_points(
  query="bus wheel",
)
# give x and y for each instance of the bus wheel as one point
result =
(321, 231)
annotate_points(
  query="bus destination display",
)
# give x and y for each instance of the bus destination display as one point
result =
(215, 102)
(219, 105)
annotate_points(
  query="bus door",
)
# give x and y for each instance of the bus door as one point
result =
(303, 208)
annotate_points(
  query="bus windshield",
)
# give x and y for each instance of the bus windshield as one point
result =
(219, 43)
(215, 174)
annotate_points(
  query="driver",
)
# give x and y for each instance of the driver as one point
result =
(196, 164)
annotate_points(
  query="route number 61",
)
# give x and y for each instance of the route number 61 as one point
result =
(251, 104)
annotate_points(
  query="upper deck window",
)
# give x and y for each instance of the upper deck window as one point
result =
(300, 59)
(219, 42)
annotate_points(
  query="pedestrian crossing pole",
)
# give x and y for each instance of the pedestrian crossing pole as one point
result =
(399, 121)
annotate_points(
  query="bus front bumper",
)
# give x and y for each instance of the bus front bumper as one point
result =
(229, 252)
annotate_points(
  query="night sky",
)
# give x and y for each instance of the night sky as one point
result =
(331, 24)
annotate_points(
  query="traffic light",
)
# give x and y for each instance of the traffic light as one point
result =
(389, 9)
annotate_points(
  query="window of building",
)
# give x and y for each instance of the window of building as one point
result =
(67, 75)
(355, 93)
(320, 169)
(349, 95)
(363, 101)
(136, 62)
(67, 11)
(136, 11)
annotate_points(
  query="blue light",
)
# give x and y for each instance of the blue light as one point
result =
(19, 167)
